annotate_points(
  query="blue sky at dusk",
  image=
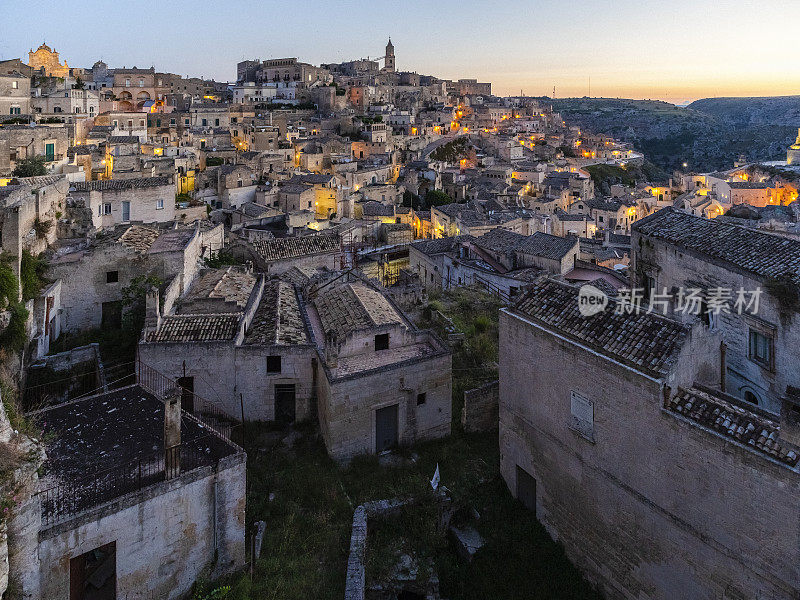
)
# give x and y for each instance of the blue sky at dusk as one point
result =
(674, 50)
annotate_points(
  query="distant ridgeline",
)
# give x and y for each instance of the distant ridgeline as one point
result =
(709, 134)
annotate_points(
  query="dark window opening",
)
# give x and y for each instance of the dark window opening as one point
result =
(111, 314)
(751, 397)
(273, 364)
(112, 276)
(382, 341)
(422, 398)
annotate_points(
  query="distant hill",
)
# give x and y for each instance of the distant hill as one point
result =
(708, 134)
(777, 110)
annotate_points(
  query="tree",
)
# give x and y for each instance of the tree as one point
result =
(78, 85)
(30, 167)
(437, 198)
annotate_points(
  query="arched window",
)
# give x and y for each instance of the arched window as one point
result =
(751, 397)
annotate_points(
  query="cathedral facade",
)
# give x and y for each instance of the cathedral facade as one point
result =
(46, 60)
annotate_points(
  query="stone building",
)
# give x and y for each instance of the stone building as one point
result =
(15, 95)
(274, 256)
(382, 382)
(47, 62)
(793, 153)
(116, 201)
(93, 273)
(239, 341)
(83, 103)
(162, 505)
(659, 485)
(673, 250)
(18, 142)
(276, 350)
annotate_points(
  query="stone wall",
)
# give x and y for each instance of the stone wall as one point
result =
(654, 507)
(672, 268)
(165, 535)
(480, 410)
(234, 378)
(347, 406)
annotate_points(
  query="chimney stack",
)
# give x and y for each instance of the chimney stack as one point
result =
(152, 315)
(172, 432)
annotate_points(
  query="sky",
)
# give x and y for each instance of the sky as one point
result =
(676, 50)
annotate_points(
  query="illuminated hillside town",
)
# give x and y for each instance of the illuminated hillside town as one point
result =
(348, 330)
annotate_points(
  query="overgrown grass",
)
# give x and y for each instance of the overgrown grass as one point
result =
(474, 313)
(306, 545)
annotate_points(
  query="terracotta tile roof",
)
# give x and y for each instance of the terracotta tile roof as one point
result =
(547, 246)
(139, 238)
(218, 291)
(753, 251)
(120, 184)
(759, 433)
(196, 328)
(353, 307)
(278, 319)
(644, 341)
(282, 248)
(441, 245)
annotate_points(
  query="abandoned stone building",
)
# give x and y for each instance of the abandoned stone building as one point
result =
(162, 505)
(673, 250)
(383, 382)
(114, 201)
(268, 350)
(658, 484)
(500, 260)
(237, 340)
(94, 272)
(274, 256)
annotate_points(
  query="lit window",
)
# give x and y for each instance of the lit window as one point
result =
(14, 85)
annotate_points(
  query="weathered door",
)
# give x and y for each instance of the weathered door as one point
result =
(284, 403)
(386, 428)
(111, 314)
(526, 489)
(187, 393)
(50, 152)
(126, 211)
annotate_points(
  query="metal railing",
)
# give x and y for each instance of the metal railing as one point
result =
(71, 498)
(204, 411)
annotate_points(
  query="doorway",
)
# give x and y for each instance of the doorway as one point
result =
(285, 403)
(126, 211)
(386, 428)
(187, 393)
(93, 575)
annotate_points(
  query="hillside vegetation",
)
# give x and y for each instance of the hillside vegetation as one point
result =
(709, 134)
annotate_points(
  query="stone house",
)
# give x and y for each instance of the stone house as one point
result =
(274, 350)
(18, 142)
(274, 256)
(501, 261)
(84, 103)
(635, 460)
(116, 201)
(15, 95)
(93, 273)
(382, 382)
(673, 250)
(163, 504)
(240, 342)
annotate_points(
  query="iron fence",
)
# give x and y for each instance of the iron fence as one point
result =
(203, 410)
(71, 498)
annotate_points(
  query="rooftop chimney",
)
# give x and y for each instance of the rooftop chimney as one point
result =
(172, 432)
(152, 315)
